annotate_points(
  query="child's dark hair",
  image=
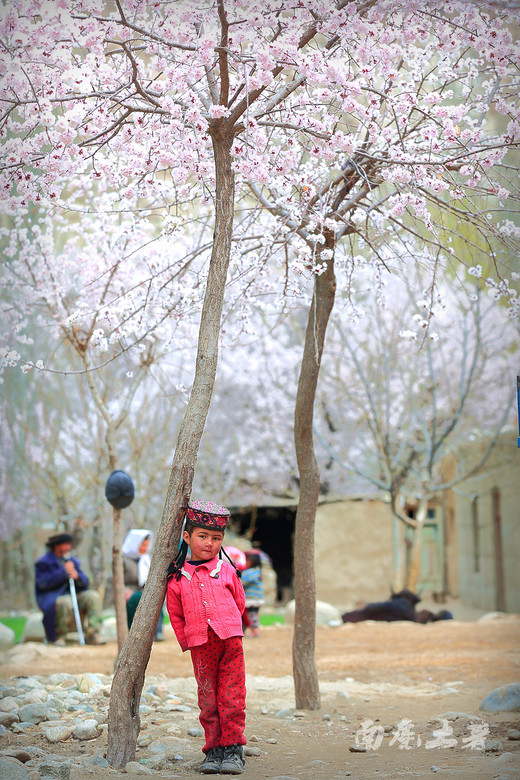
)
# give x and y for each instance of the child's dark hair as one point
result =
(255, 559)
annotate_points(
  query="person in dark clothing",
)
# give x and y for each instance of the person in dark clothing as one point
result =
(52, 574)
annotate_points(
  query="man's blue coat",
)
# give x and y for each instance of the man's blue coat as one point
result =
(52, 581)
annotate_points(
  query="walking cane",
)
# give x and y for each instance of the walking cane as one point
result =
(75, 609)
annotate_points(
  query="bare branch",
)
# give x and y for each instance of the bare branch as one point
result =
(222, 54)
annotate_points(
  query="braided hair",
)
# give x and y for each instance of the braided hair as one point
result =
(175, 567)
(232, 562)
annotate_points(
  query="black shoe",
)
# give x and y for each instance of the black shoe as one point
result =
(212, 762)
(232, 760)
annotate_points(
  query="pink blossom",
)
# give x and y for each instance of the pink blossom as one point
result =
(218, 111)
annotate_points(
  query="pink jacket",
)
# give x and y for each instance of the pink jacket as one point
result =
(209, 594)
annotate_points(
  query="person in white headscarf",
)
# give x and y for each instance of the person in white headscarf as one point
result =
(136, 558)
(136, 565)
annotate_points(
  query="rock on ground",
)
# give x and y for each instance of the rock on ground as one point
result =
(326, 614)
(7, 638)
(13, 770)
(503, 699)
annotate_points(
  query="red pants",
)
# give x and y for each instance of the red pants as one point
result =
(221, 679)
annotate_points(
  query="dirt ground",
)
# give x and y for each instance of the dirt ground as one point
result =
(377, 673)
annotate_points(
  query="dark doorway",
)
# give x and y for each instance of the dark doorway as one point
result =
(271, 528)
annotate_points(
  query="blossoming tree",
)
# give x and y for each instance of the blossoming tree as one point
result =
(408, 410)
(341, 118)
(415, 146)
(88, 300)
(55, 458)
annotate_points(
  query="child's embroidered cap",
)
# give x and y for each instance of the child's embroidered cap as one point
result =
(206, 514)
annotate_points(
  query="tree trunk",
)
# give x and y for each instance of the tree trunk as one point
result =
(414, 566)
(123, 716)
(118, 578)
(397, 579)
(305, 673)
(97, 556)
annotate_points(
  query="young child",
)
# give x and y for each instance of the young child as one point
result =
(254, 590)
(205, 600)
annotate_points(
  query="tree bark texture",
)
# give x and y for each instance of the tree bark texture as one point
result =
(118, 579)
(414, 566)
(123, 716)
(397, 579)
(304, 664)
(96, 563)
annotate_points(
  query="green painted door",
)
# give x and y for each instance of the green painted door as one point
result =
(431, 577)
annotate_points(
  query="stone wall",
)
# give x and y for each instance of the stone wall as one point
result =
(353, 552)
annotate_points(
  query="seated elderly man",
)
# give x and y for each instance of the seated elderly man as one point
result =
(53, 572)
